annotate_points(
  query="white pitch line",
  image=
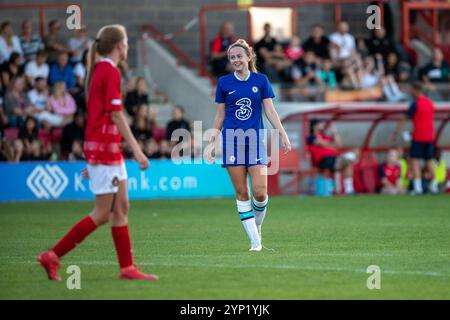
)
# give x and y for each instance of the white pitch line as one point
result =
(256, 266)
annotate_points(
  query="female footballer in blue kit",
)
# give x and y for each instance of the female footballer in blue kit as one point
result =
(241, 96)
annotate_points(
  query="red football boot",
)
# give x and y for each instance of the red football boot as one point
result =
(133, 273)
(50, 261)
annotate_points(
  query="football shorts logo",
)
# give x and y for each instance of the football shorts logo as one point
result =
(232, 158)
(255, 89)
(115, 181)
(47, 181)
(244, 111)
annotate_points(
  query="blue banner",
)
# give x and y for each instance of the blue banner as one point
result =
(45, 181)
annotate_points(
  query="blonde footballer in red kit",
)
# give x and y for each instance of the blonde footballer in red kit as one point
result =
(106, 125)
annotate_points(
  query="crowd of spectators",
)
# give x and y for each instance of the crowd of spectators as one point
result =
(338, 61)
(43, 105)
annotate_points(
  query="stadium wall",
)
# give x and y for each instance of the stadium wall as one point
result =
(171, 15)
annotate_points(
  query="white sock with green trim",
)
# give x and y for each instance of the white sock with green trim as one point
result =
(248, 221)
(260, 209)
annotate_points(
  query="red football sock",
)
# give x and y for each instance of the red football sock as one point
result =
(77, 234)
(122, 242)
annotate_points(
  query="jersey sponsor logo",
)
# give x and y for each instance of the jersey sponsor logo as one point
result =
(255, 89)
(244, 111)
(47, 181)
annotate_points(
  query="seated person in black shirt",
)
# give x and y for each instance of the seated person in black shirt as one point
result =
(271, 59)
(136, 97)
(318, 43)
(379, 43)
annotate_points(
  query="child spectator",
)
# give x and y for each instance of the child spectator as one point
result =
(76, 153)
(294, 50)
(30, 43)
(62, 103)
(390, 175)
(327, 75)
(37, 68)
(41, 109)
(9, 42)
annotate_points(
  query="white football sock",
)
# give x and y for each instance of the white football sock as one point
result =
(348, 184)
(248, 221)
(260, 209)
(418, 185)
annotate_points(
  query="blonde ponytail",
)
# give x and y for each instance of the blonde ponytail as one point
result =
(241, 43)
(104, 44)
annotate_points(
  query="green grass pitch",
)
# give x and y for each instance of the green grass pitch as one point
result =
(322, 248)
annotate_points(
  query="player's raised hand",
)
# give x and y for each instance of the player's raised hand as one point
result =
(142, 160)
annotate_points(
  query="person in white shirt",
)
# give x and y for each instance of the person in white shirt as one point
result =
(9, 42)
(78, 44)
(39, 100)
(37, 68)
(343, 44)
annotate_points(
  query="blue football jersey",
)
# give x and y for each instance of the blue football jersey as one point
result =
(243, 100)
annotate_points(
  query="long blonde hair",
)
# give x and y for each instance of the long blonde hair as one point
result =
(107, 39)
(241, 43)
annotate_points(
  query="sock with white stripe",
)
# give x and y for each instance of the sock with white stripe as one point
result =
(260, 209)
(248, 221)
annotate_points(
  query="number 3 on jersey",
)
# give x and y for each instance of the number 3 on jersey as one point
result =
(244, 111)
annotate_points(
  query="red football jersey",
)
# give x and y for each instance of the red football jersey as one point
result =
(103, 142)
(320, 152)
(423, 120)
(391, 173)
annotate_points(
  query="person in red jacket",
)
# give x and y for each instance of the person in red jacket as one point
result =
(421, 112)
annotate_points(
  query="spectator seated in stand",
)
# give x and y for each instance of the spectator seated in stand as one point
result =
(30, 42)
(40, 103)
(136, 95)
(62, 103)
(16, 103)
(271, 58)
(10, 69)
(37, 68)
(9, 42)
(62, 71)
(219, 57)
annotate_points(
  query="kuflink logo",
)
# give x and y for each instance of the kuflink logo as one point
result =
(47, 181)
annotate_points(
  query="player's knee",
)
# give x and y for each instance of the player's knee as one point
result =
(242, 193)
(259, 194)
(122, 208)
(101, 217)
